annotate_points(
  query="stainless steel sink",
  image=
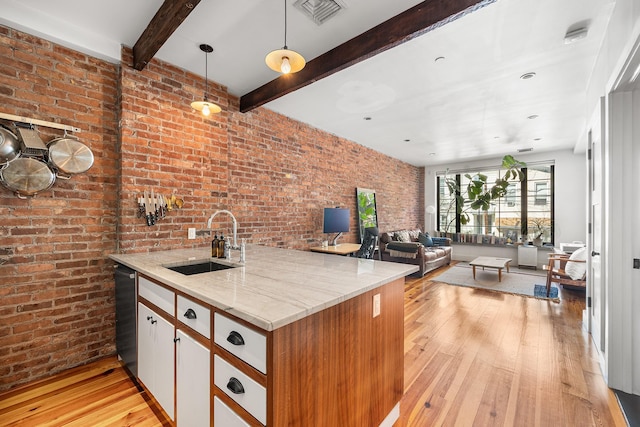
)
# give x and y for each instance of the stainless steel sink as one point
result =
(200, 267)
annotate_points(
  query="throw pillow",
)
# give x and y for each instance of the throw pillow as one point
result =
(403, 236)
(577, 270)
(413, 235)
(425, 239)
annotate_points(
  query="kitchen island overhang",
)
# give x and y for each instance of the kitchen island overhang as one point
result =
(274, 286)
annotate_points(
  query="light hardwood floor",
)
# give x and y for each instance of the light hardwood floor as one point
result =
(472, 358)
(480, 358)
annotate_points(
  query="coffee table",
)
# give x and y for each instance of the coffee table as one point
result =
(490, 262)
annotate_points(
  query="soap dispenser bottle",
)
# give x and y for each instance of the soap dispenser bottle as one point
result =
(214, 246)
(220, 252)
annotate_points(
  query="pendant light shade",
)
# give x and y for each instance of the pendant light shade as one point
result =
(283, 60)
(205, 107)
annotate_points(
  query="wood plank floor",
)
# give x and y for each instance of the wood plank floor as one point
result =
(472, 358)
(98, 394)
(480, 358)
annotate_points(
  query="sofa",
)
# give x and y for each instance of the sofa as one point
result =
(415, 247)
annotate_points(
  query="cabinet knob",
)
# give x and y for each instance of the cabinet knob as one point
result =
(190, 314)
(235, 338)
(151, 318)
(177, 339)
(235, 386)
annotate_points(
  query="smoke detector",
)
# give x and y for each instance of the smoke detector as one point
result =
(320, 10)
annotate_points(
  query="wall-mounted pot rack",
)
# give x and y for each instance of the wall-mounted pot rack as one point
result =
(37, 122)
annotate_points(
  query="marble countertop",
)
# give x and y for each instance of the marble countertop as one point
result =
(274, 287)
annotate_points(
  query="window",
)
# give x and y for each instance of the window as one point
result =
(540, 197)
(510, 198)
(525, 210)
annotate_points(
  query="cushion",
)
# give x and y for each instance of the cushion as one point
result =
(425, 239)
(440, 241)
(410, 247)
(402, 236)
(413, 235)
(399, 254)
(577, 270)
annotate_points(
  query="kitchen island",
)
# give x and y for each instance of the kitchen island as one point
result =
(329, 334)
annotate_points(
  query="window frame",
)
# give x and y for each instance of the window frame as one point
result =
(549, 197)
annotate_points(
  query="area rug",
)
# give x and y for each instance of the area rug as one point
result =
(517, 283)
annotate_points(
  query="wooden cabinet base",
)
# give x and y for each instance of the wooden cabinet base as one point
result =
(341, 366)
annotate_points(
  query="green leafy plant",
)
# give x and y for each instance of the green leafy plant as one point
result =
(479, 194)
(367, 209)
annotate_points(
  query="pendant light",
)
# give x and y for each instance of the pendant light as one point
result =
(283, 60)
(206, 107)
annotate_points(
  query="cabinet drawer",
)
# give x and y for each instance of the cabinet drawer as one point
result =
(224, 416)
(249, 346)
(194, 315)
(252, 397)
(160, 296)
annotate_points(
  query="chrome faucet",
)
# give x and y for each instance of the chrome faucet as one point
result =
(235, 226)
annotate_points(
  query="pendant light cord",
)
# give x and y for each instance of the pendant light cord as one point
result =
(206, 74)
(285, 24)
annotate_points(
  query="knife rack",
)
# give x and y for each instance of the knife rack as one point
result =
(153, 207)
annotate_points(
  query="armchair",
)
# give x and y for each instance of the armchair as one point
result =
(561, 271)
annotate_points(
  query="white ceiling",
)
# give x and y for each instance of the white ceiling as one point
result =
(472, 104)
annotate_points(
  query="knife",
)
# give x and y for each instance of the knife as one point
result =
(141, 211)
(147, 207)
(163, 208)
(154, 207)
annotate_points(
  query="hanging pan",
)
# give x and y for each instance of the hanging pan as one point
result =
(9, 146)
(68, 156)
(27, 176)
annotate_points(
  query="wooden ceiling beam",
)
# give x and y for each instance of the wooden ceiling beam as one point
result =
(409, 24)
(166, 20)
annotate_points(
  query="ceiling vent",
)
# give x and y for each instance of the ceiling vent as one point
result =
(320, 10)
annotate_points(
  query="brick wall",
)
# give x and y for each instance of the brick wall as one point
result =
(56, 290)
(273, 173)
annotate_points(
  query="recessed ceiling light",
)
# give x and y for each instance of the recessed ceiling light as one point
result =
(432, 154)
(533, 116)
(524, 150)
(439, 58)
(367, 118)
(407, 140)
(527, 76)
(537, 139)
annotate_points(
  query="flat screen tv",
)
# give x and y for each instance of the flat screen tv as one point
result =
(336, 220)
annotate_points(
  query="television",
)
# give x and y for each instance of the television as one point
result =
(336, 220)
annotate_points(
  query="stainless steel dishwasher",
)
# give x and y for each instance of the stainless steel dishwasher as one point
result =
(126, 337)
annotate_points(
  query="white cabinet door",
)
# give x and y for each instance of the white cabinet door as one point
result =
(156, 356)
(193, 394)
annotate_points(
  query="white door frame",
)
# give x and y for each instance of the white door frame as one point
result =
(622, 204)
(596, 283)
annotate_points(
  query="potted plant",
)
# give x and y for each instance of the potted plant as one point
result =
(538, 227)
(479, 193)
